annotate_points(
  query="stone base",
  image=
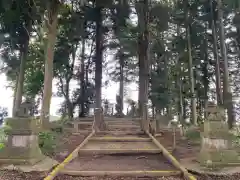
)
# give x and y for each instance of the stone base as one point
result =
(21, 150)
(21, 161)
(44, 165)
(218, 159)
(21, 143)
(217, 149)
(194, 166)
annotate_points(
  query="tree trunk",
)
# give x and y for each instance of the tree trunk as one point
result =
(227, 94)
(184, 109)
(82, 80)
(49, 55)
(179, 86)
(190, 69)
(180, 96)
(20, 80)
(167, 86)
(14, 95)
(99, 58)
(99, 121)
(143, 63)
(121, 84)
(216, 57)
(70, 109)
(205, 73)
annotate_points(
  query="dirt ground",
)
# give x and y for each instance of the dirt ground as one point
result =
(184, 147)
(69, 142)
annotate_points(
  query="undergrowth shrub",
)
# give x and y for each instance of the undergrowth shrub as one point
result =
(3, 135)
(58, 126)
(2, 138)
(47, 141)
(236, 136)
(193, 135)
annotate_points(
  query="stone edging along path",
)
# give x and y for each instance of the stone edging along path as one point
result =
(195, 168)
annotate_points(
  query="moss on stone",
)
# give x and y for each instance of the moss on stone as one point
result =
(23, 125)
(217, 142)
(21, 145)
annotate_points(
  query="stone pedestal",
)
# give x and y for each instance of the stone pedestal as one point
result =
(217, 148)
(21, 146)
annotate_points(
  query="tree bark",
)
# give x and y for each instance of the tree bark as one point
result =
(20, 80)
(51, 23)
(99, 58)
(14, 95)
(191, 77)
(143, 63)
(99, 123)
(227, 94)
(180, 96)
(190, 69)
(82, 80)
(121, 84)
(216, 57)
(205, 74)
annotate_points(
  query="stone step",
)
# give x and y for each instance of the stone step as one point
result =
(118, 151)
(140, 173)
(104, 147)
(110, 132)
(120, 165)
(121, 133)
(109, 124)
(123, 125)
(121, 139)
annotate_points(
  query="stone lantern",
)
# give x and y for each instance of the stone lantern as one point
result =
(21, 145)
(216, 144)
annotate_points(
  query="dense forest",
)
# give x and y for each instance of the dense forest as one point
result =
(181, 53)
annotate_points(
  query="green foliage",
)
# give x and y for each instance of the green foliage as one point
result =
(236, 137)
(3, 135)
(193, 135)
(168, 55)
(2, 138)
(48, 142)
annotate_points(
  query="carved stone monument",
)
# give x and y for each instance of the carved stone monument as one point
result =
(21, 146)
(216, 147)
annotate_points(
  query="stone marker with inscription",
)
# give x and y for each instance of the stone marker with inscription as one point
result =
(216, 148)
(21, 146)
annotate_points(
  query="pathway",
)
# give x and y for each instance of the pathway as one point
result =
(123, 150)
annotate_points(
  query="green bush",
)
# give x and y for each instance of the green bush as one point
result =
(56, 127)
(47, 142)
(3, 135)
(2, 138)
(236, 136)
(193, 135)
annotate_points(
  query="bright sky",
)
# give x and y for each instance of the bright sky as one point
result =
(108, 93)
